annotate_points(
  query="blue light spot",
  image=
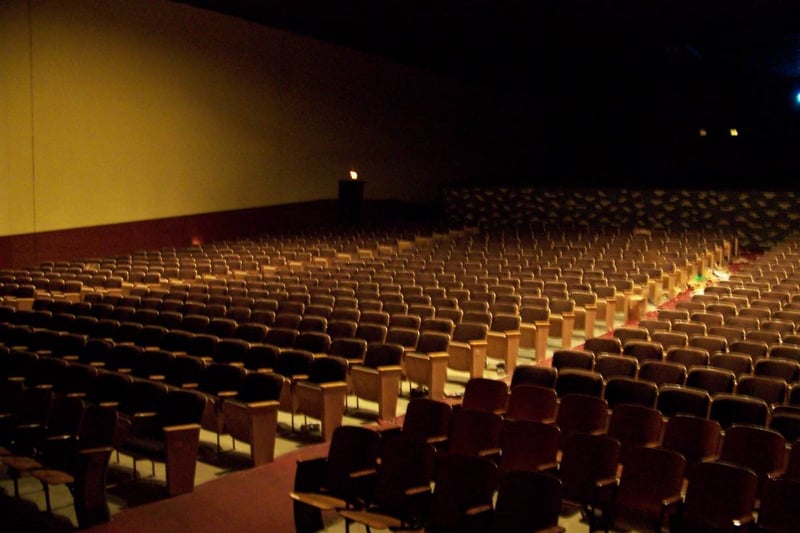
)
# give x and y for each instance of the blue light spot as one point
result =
(797, 97)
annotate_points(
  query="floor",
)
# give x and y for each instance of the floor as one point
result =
(126, 490)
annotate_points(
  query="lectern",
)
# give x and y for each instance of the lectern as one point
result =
(351, 196)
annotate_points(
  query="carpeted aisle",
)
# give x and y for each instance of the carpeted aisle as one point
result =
(256, 499)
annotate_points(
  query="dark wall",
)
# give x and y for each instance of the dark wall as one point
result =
(758, 218)
(117, 239)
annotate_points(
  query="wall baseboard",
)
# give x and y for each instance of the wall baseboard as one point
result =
(17, 251)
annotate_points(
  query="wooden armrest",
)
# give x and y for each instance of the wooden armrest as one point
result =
(226, 393)
(389, 369)
(489, 451)
(181, 427)
(413, 491)
(320, 501)
(373, 520)
(548, 467)
(478, 509)
(263, 405)
(362, 473)
(331, 385)
(776, 474)
(668, 504)
(32, 425)
(144, 414)
(743, 521)
(477, 343)
(436, 439)
(604, 483)
(96, 450)
(58, 438)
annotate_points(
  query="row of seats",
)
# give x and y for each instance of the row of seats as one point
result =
(597, 396)
(586, 474)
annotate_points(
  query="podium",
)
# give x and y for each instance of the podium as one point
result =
(351, 196)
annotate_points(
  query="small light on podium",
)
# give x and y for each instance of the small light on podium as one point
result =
(351, 195)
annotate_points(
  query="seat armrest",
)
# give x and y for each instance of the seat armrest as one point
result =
(743, 521)
(549, 468)
(478, 509)
(331, 385)
(362, 473)
(181, 446)
(422, 489)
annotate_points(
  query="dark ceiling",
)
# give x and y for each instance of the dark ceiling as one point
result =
(639, 71)
(476, 39)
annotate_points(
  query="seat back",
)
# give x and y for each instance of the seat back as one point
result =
(678, 399)
(544, 376)
(485, 394)
(474, 432)
(260, 387)
(717, 494)
(528, 445)
(462, 482)
(404, 465)
(582, 413)
(433, 341)
(634, 425)
(532, 402)
(625, 390)
(650, 477)
(599, 345)
(573, 380)
(696, 438)
(427, 420)
(352, 449)
(527, 501)
(611, 365)
(761, 449)
(713, 380)
(566, 358)
(729, 409)
(383, 354)
(780, 499)
(585, 460)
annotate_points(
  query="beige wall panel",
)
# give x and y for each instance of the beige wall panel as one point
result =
(16, 159)
(153, 109)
